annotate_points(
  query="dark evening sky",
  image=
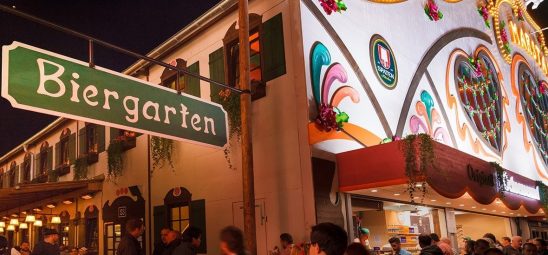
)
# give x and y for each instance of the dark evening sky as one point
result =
(138, 25)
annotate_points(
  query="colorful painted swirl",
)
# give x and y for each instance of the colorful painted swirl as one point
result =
(432, 120)
(321, 88)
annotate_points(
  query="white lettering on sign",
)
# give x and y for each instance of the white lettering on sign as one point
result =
(149, 110)
(522, 189)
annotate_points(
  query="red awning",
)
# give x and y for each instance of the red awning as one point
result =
(454, 174)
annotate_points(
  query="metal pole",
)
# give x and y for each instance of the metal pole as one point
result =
(52, 25)
(247, 148)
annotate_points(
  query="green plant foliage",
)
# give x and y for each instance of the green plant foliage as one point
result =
(115, 160)
(543, 192)
(417, 171)
(501, 178)
(80, 168)
(162, 150)
(231, 103)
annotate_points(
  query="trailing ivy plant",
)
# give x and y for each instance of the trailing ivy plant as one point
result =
(80, 168)
(115, 160)
(162, 150)
(417, 172)
(231, 103)
(501, 178)
(543, 193)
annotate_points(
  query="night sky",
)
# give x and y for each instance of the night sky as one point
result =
(137, 25)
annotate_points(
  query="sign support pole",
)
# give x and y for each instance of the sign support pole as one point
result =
(247, 149)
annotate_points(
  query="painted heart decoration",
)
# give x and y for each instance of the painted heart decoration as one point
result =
(534, 103)
(478, 89)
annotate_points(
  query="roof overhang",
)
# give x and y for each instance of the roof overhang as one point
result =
(27, 196)
(455, 174)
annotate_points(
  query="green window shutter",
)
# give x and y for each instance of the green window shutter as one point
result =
(57, 155)
(100, 132)
(114, 133)
(198, 219)
(36, 165)
(192, 84)
(216, 72)
(17, 173)
(82, 141)
(160, 220)
(49, 162)
(273, 48)
(72, 148)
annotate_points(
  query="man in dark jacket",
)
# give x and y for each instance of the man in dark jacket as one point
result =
(427, 248)
(48, 246)
(160, 246)
(173, 241)
(129, 245)
(192, 238)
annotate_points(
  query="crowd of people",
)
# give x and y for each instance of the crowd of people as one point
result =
(325, 239)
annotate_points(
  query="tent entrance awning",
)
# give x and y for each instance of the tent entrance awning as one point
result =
(28, 196)
(454, 174)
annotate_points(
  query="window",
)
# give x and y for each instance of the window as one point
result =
(534, 102)
(91, 142)
(26, 168)
(188, 84)
(43, 159)
(267, 57)
(233, 58)
(1, 178)
(62, 148)
(12, 173)
(113, 235)
(179, 218)
(91, 228)
(128, 138)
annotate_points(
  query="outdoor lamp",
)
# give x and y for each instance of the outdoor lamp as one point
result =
(23, 226)
(14, 222)
(38, 223)
(55, 220)
(10, 228)
(2, 224)
(30, 218)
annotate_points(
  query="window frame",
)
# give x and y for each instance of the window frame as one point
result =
(64, 154)
(179, 220)
(116, 238)
(12, 175)
(231, 62)
(92, 139)
(43, 164)
(26, 168)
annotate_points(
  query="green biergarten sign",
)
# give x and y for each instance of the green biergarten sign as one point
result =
(37, 80)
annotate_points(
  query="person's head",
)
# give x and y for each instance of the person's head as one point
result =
(25, 246)
(364, 234)
(481, 246)
(286, 240)
(435, 238)
(232, 241)
(425, 240)
(135, 227)
(490, 236)
(171, 236)
(540, 244)
(328, 239)
(356, 249)
(163, 234)
(516, 242)
(73, 251)
(193, 235)
(506, 241)
(51, 236)
(469, 246)
(529, 249)
(395, 243)
(493, 251)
